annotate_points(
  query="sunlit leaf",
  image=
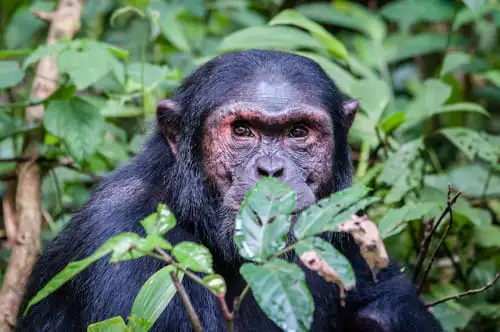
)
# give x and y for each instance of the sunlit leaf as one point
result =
(159, 222)
(155, 294)
(281, 292)
(493, 76)
(115, 324)
(215, 283)
(193, 256)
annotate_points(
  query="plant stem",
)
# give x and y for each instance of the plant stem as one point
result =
(193, 317)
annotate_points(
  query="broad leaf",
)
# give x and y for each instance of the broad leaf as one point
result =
(493, 76)
(454, 61)
(330, 255)
(392, 122)
(77, 123)
(399, 162)
(41, 51)
(263, 219)
(278, 37)
(324, 215)
(396, 220)
(10, 74)
(343, 79)
(172, 26)
(292, 17)
(487, 236)
(401, 47)
(115, 324)
(155, 294)
(85, 67)
(193, 256)
(151, 74)
(280, 290)
(373, 94)
(473, 143)
(138, 324)
(159, 222)
(215, 283)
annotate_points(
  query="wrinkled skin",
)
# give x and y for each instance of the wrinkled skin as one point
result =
(241, 116)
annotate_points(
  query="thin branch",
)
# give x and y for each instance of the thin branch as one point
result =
(228, 316)
(466, 293)
(193, 317)
(238, 300)
(449, 209)
(424, 246)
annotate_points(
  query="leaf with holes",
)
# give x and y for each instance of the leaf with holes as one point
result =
(330, 211)
(473, 143)
(292, 17)
(280, 290)
(399, 162)
(264, 220)
(332, 256)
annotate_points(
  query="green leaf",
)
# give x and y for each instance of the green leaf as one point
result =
(462, 107)
(292, 17)
(280, 290)
(193, 256)
(493, 76)
(487, 236)
(396, 220)
(215, 283)
(454, 61)
(373, 94)
(76, 267)
(152, 74)
(115, 324)
(5, 54)
(342, 78)
(172, 27)
(138, 324)
(263, 219)
(41, 51)
(330, 255)
(277, 38)
(427, 102)
(392, 122)
(400, 161)
(155, 294)
(348, 15)
(77, 123)
(401, 47)
(160, 222)
(474, 5)
(324, 215)
(409, 12)
(10, 74)
(473, 143)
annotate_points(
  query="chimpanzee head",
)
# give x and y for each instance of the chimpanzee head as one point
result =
(247, 115)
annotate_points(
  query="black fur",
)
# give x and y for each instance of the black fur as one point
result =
(133, 192)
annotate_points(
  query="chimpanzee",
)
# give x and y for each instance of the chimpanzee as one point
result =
(237, 118)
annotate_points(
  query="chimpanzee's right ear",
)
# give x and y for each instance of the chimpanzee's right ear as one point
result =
(169, 121)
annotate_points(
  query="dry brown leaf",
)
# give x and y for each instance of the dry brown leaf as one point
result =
(313, 262)
(365, 233)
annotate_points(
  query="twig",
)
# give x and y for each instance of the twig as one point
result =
(193, 317)
(449, 209)
(238, 300)
(424, 246)
(9, 213)
(466, 293)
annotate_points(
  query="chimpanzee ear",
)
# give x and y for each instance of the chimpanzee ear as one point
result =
(168, 117)
(350, 109)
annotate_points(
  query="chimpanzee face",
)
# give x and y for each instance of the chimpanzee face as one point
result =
(269, 129)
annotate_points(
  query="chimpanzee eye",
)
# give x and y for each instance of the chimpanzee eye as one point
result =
(298, 131)
(242, 130)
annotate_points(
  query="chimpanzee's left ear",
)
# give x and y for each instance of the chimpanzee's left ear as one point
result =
(350, 109)
(168, 117)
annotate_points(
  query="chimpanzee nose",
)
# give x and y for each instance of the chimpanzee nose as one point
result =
(270, 166)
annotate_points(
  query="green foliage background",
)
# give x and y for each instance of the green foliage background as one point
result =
(427, 74)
